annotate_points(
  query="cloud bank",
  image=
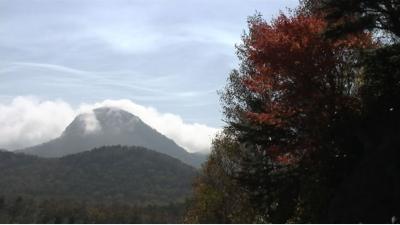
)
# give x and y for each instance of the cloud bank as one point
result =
(27, 121)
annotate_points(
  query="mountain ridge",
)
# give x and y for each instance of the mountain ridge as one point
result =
(107, 126)
(134, 175)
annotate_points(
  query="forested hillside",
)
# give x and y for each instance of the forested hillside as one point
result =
(131, 175)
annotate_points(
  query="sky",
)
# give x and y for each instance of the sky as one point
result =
(167, 56)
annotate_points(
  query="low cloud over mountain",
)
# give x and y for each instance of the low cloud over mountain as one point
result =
(28, 121)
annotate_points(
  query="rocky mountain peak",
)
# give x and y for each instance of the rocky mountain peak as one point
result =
(106, 120)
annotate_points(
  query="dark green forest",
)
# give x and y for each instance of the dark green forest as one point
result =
(31, 210)
(113, 184)
(133, 175)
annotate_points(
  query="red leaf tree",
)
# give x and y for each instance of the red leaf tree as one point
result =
(300, 80)
(288, 105)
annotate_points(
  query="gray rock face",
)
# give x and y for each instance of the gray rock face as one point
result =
(110, 126)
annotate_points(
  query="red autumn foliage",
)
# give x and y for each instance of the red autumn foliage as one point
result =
(299, 78)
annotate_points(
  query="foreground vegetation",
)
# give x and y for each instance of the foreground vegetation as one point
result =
(313, 120)
(31, 210)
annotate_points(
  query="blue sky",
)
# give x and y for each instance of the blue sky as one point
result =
(168, 54)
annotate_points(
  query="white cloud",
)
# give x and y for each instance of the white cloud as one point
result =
(91, 122)
(194, 137)
(27, 121)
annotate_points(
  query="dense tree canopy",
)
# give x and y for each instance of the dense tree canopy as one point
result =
(218, 198)
(296, 110)
(297, 80)
(55, 211)
(351, 16)
(287, 104)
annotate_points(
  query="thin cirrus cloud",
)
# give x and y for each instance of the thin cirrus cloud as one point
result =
(27, 121)
(167, 54)
(154, 87)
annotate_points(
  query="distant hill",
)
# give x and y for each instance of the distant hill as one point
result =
(111, 126)
(115, 174)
